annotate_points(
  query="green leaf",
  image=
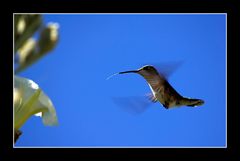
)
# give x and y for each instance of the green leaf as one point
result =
(32, 24)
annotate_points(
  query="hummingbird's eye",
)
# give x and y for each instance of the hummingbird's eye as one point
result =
(149, 68)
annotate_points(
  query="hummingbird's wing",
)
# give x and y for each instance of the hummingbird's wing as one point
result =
(166, 69)
(133, 104)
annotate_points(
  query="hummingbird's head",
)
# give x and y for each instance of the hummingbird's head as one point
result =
(144, 71)
(148, 69)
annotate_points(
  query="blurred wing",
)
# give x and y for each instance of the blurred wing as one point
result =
(166, 68)
(133, 104)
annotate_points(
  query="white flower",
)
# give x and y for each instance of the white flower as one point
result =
(29, 100)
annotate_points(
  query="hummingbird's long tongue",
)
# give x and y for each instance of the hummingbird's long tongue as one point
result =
(131, 71)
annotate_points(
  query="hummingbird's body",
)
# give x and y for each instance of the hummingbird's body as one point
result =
(162, 91)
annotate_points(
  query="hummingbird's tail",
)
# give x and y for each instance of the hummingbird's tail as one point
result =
(192, 102)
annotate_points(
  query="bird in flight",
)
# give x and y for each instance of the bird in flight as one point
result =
(161, 90)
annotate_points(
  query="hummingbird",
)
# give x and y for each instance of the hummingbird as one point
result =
(161, 90)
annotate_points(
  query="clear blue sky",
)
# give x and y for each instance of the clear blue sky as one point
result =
(92, 47)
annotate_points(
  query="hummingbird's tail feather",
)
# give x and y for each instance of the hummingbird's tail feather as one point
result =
(192, 102)
(133, 104)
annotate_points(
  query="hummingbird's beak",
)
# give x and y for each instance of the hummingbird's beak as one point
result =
(130, 71)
